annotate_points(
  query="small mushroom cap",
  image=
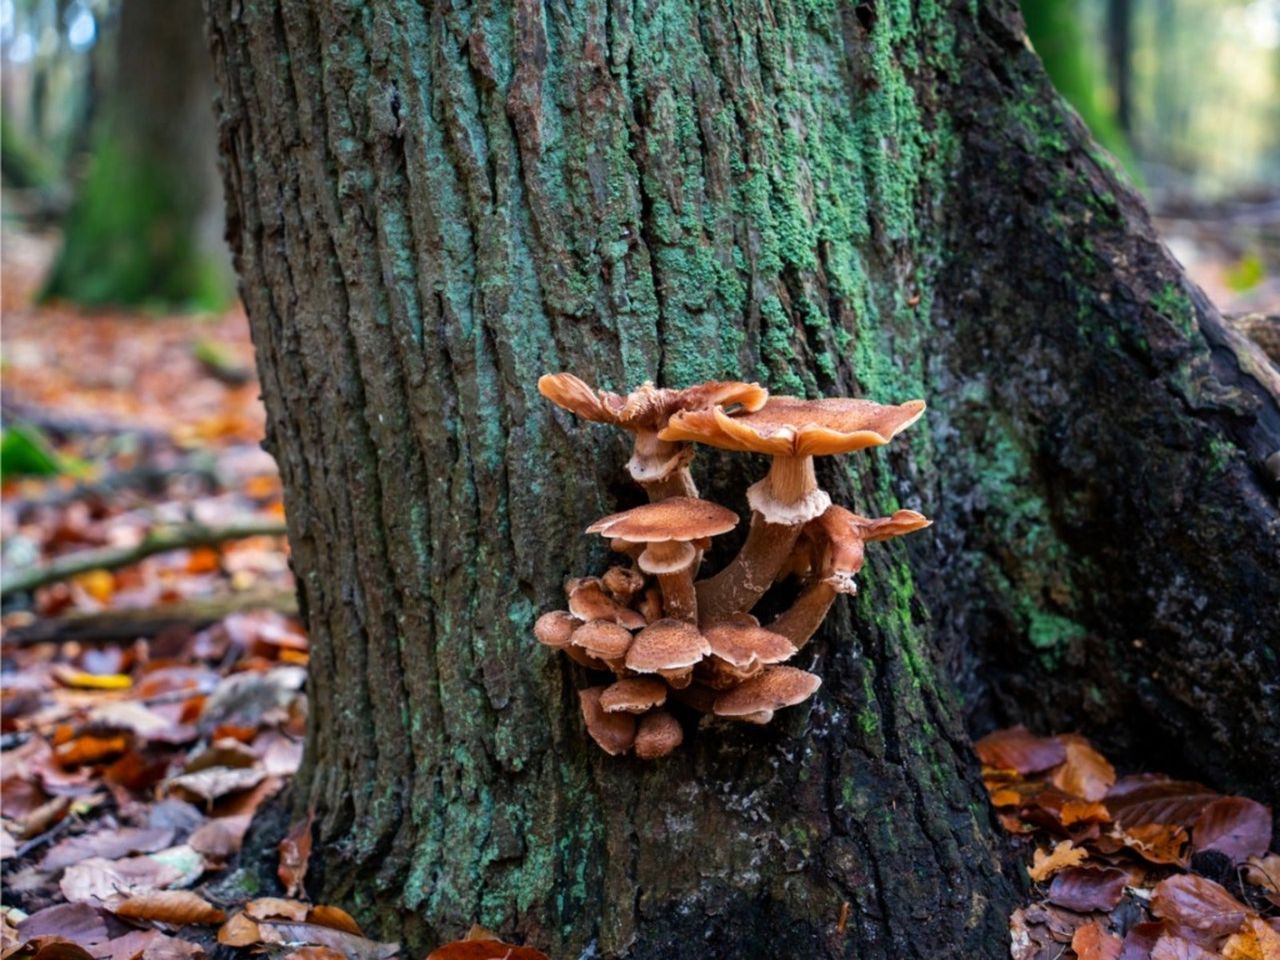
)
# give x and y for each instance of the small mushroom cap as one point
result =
(680, 519)
(614, 732)
(659, 734)
(743, 645)
(792, 427)
(667, 645)
(646, 407)
(884, 528)
(588, 601)
(841, 534)
(602, 638)
(555, 628)
(634, 695)
(775, 688)
(623, 583)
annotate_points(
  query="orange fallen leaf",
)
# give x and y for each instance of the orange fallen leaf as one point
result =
(1264, 872)
(1255, 941)
(1086, 773)
(1157, 842)
(99, 584)
(239, 931)
(295, 851)
(335, 917)
(178, 907)
(1045, 865)
(1092, 942)
(1017, 748)
(481, 944)
(89, 749)
(276, 908)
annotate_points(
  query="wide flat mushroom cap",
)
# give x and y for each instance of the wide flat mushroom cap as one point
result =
(659, 734)
(744, 644)
(602, 638)
(614, 732)
(774, 689)
(634, 695)
(884, 528)
(792, 427)
(646, 407)
(675, 519)
(667, 645)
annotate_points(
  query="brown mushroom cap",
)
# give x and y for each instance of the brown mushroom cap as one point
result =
(646, 407)
(841, 535)
(659, 734)
(614, 732)
(634, 695)
(602, 638)
(623, 583)
(775, 688)
(743, 645)
(667, 645)
(555, 628)
(792, 427)
(588, 601)
(676, 519)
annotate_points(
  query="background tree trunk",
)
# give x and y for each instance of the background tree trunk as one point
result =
(145, 225)
(431, 206)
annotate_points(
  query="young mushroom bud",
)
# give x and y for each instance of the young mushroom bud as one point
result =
(555, 628)
(793, 432)
(668, 528)
(659, 734)
(837, 538)
(603, 640)
(756, 699)
(660, 466)
(623, 583)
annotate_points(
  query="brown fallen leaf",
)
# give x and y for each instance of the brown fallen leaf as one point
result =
(110, 843)
(49, 948)
(1017, 748)
(1160, 843)
(239, 931)
(1087, 888)
(313, 934)
(1045, 865)
(1148, 798)
(336, 917)
(220, 837)
(1141, 940)
(1238, 827)
(276, 908)
(78, 922)
(1199, 904)
(1086, 773)
(178, 907)
(1178, 948)
(1255, 941)
(148, 945)
(295, 852)
(208, 785)
(97, 880)
(314, 953)
(1092, 942)
(481, 944)
(1265, 873)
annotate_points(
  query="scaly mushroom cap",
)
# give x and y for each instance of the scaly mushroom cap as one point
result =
(843, 534)
(775, 688)
(792, 427)
(646, 407)
(671, 646)
(676, 519)
(602, 638)
(659, 734)
(588, 601)
(614, 732)
(555, 628)
(743, 645)
(623, 583)
(634, 695)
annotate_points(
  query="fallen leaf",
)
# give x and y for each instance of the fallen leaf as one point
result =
(209, 785)
(1086, 773)
(49, 948)
(1141, 940)
(178, 907)
(1235, 826)
(239, 931)
(1088, 888)
(336, 917)
(1178, 948)
(354, 947)
(221, 837)
(276, 908)
(1255, 941)
(484, 950)
(1264, 872)
(1018, 749)
(80, 679)
(89, 749)
(1198, 903)
(295, 852)
(99, 880)
(1092, 942)
(109, 844)
(1143, 799)
(315, 953)
(1045, 865)
(78, 922)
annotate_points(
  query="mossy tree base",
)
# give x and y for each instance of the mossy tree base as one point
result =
(431, 206)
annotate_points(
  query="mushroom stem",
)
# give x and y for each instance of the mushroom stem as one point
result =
(678, 483)
(661, 466)
(738, 587)
(679, 598)
(791, 479)
(805, 616)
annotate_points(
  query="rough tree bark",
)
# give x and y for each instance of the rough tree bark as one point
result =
(145, 224)
(432, 204)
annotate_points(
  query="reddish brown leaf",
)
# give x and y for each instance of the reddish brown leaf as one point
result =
(315, 953)
(336, 917)
(1235, 826)
(1092, 942)
(1141, 940)
(1177, 948)
(1199, 904)
(50, 948)
(239, 931)
(220, 837)
(78, 922)
(111, 844)
(178, 907)
(276, 908)
(1255, 941)
(1086, 773)
(1138, 800)
(295, 851)
(1157, 842)
(1018, 749)
(1088, 888)
(484, 950)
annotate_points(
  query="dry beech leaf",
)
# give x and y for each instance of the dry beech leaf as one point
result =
(1017, 748)
(49, 948)
(354, 947)
(295, 851)
(79, 922)
(1147, 798)
(1178, 948)
(1092, 942)
(221, 837)
(276, 908)
(1045, 865)
(208, 785)
(1086, 773)
(239, 931)
(178, 907)
(99, 879)
(481, 949)
(1238, 827)
(1157, 842)
(1264, 872)
(1255, 941)
(314, 953)
(110, 844)
(1198, 903)
(335, 917)
(1088, 888)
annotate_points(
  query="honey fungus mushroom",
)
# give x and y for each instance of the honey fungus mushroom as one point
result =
(660, 466)
(669, 530)
(755, 700)
(669, 648)
(836, 539)
(792, 431)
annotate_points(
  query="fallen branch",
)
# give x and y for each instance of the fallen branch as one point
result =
(159, 540)
(124, 626)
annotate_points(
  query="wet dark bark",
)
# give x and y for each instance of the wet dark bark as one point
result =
(432, 205)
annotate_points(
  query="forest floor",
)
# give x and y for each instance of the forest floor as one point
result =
(154, 698)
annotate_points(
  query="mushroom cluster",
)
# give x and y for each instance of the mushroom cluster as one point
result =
(667, 636)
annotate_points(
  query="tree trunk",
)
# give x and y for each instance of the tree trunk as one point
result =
(431, 206)
(144, 228)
